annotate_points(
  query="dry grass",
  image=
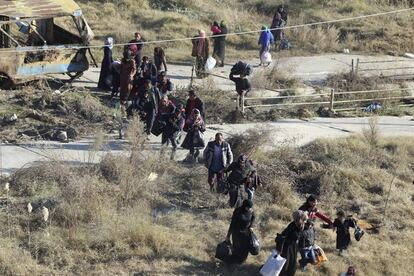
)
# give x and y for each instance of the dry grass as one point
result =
(112, 219)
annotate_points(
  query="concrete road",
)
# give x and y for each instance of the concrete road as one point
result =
(311, 69)
(292, 131)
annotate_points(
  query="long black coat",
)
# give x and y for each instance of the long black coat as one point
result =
(343, 237)
(288, 246)
(220, 43)
(241, 223)
(105, 69)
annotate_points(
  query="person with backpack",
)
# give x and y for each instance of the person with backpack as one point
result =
(106, 65)
(217, 156)
(240, 171)
(306, 243)
(160, 60)
(201, 51)
(243, 85)
(136, 46)
(287, 243)
(194, 140)
(240, 232)
(313, 212)
(252, 182)
(174, 124)
(342, 224)
(265, 39)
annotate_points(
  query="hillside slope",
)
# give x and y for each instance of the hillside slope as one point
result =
(163, 19)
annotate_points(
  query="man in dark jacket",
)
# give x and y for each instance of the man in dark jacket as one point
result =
(164, 84)
(217, 156)
(220, 42)
(243, 86)
(174, 124)
(240, 172)
(149, 70)
(194, 102)
(145, 105)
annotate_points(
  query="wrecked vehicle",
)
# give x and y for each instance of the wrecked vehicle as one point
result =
(42, 37)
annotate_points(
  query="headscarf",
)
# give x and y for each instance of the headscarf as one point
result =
(247, 203)
(201, 42)
(194, 119)
(109, 42)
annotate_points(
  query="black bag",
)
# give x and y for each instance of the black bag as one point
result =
(222, 186)
(358, 233)
(223, 251)
(241, 68)
(254, 244)
(158, 127)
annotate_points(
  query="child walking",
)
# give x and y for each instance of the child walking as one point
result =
(342, 224)
(306, 244)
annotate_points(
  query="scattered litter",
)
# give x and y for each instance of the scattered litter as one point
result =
(62, 136)
(346, 51)
(409, 55)
(56, 92)
(152, 177)
(11, 119)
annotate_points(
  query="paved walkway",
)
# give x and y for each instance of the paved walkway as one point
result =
(292, 131)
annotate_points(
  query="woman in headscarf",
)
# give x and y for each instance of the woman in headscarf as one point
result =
(240, 231)
(194, 140)
(265, 39)
(104, 81)
(127, 72)
(221, 43)
(201, 51)
(287, 243)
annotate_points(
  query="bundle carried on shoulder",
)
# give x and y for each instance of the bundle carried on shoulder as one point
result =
(242, 68)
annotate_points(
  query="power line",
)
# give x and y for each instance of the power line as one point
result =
(74, 47)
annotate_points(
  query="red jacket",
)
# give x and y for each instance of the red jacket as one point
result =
(313, 213)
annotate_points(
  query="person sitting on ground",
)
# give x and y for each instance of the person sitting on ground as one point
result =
(313, 212)
(136, 45)
(106, 65)
(217, 156)
(159, 59)
(243, 86)
(241, 170)
(194, 102)
(239, 230)
(342, 224)
(149, 70)
(287, 242)
(265, 39)
(306, 243)
(174, 124)
(164, 84)
(127, 73)
(201, 51)
(194, 140)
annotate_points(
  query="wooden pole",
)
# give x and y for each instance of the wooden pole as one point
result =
(356, 67)
(237, 102)
(331, 102)
(192, 76)
(242, 103)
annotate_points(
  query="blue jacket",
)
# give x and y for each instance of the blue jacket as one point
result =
(266, 38)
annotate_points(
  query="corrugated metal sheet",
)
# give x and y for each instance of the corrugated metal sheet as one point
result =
(37, 8)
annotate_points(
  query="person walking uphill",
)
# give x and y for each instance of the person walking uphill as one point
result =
(342, 225)
(241, 170)
(106, 65)
(221, 43)
(265, 39)
(137, 47)
(287, 242)
(194, 140)
(240, 231)
(160, 60)
(194, 102)
(174, 124)
(127, 73)
(313, 212)
(217, 156)
(201, 51)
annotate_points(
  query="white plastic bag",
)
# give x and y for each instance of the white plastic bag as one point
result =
(273, 265)
(210, 63)
(266, 58)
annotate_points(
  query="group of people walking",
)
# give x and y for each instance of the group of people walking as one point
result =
(297, 237)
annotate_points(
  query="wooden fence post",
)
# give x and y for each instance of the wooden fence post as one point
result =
(237, 102)
(352, 67)
(356, 67)
(331, 102)
(242, 103)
